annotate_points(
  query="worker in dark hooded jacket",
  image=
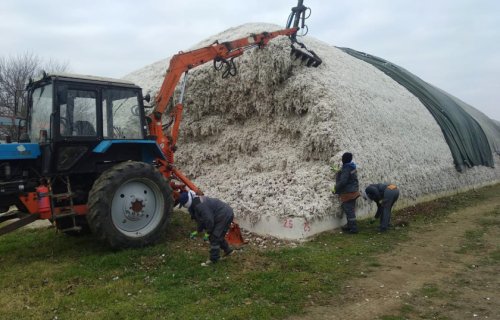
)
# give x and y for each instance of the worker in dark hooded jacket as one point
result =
(215, 217)
(347, 187)
(199, 226)
(384, 195)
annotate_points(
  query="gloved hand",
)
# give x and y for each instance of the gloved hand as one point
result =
(193, 234)
(335, 168)
(205, 237)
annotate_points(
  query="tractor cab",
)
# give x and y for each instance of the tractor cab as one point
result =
(70, 117)
(66, 107)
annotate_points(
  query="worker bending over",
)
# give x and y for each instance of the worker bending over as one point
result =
(199, 226)
(384, 195)
(215, 216)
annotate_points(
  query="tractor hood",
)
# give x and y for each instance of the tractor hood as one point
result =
(19, 151)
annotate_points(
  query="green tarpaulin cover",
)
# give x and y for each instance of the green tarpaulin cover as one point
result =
(471, 135)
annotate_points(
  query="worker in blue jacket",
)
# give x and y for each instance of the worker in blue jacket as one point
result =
(213, 215)
(385, 196)
(347, 187)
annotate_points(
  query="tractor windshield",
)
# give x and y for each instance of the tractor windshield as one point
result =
(40, 113)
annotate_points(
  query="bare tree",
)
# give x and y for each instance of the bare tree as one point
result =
(15, 71)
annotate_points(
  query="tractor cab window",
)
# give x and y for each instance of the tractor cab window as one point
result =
(77, 114)
(121, 114)
(40, 114)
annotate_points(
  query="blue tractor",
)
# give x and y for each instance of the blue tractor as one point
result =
(90, 159)
(84, 161)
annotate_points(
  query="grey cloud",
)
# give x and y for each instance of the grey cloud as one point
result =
(449, 43)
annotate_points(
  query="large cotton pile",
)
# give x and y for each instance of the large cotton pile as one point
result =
(265, 139)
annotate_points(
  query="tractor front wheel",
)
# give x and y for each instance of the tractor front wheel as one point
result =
(130, 205)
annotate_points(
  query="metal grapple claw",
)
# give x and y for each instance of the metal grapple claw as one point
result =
(297, 19)
(307, 56)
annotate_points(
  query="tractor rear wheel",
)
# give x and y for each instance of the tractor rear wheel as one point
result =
(130, 205)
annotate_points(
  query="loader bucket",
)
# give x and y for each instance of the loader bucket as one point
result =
(305, 55)
(233, 236)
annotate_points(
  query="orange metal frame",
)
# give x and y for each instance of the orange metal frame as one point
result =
(30, 201)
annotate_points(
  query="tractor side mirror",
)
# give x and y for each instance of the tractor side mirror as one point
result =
(147, 99)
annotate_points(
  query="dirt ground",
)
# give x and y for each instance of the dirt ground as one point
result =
(448, 270)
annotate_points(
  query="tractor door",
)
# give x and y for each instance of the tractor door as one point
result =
(77, 125)
(122, 114)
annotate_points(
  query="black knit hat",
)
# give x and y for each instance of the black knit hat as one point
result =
(183, 198)
(346, 157)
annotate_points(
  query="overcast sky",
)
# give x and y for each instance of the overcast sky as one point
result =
(453, 44)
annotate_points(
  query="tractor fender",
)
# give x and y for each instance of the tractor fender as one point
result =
(149, 148)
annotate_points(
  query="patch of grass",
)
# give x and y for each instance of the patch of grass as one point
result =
(462, 282)
(406, 308)
(473, 241)
(496, 211)
(430, 290)
(437, 209)
(68, 274)
(490, 219)
(434, 315)
(487, 222)
(374, 264)
(51, 274)
(495, 256)
(405, 312)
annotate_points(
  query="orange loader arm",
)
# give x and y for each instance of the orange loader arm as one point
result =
(184, 61)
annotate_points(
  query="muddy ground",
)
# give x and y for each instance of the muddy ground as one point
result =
(448, 270)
